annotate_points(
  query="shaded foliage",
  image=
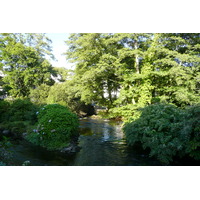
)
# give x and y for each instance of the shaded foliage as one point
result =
(192, 130)
(166, 130)
(17, 116)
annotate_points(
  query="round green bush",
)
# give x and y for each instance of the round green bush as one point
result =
(56, 127)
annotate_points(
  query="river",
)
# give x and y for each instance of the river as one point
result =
(102, 144)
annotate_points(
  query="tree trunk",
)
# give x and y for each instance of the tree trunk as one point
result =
(109, 92)
(137, 67)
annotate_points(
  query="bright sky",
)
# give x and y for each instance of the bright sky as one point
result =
(59, 47)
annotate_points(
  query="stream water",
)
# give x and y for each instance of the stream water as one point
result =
(102, 144)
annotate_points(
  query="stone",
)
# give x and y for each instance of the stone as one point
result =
(71, 149)
(5, 132)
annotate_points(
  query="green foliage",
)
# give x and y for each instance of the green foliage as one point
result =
(192, 130)
(167, 131)
(57, 94)
(4, 107)
(40, 94)
(5, 142)
(129, 112)
(157, 128)
(17, 127)
(24, 66)
(22, 110)
(123, 69)
(56, 127)
(96, 67)
(62, 74)
(67, 94)
(39, 41)
(17, 116)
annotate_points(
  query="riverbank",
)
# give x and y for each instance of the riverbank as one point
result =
(101, 143)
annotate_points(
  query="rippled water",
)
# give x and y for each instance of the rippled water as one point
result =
(102, 144)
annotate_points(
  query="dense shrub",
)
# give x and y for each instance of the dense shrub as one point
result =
(56, 127)
(158, 129)
(166, 131)
(192, 130)
(22, 110)
(17, 116)
(4, 107)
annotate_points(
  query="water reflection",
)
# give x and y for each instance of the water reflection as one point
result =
(105, 134)
(106, 146)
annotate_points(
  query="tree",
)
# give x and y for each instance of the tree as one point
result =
(39, 41)
(176, 64)
(40, 94)
(95, 69)
(125, 71)
(168, 72)
(67, 94)
(23, 66)
(62, 74)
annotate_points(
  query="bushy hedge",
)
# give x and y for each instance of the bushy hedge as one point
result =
(166, 131)
(17, 115)
(56, 127)
(22, 110)
(4, 107)
(192, 130)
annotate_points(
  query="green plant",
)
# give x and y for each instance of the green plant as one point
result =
(167, 131)
(128, 112)
(56, 127)
(39, 95)
(22, 110)
(17, 115)
(4, 107)
(191, 131)
(158, 129)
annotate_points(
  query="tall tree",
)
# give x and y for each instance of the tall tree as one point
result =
(176, 64)
(95, 66)
(39, 41)
(23, 66)
(143, 68)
